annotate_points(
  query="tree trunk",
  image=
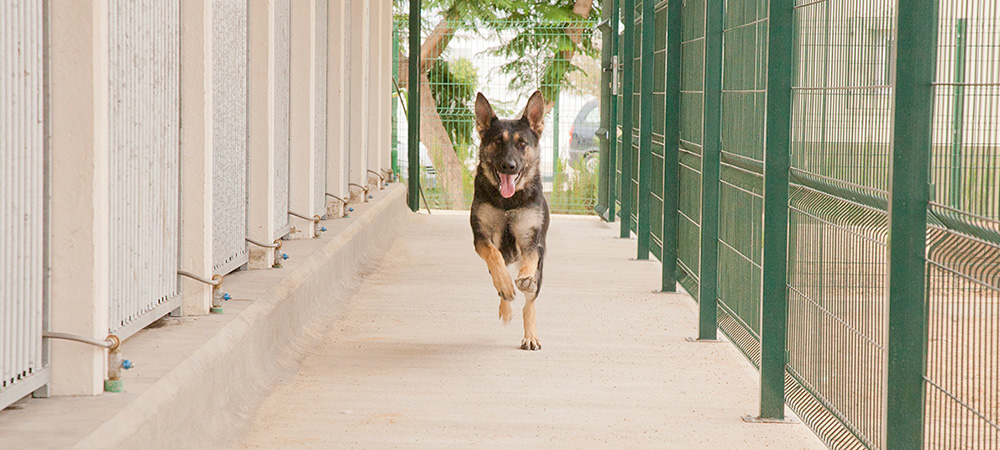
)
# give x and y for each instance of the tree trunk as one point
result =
(434, 136)
(432, 132)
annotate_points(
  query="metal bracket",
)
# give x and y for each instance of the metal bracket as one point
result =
(614, 74)
(703, 341)
(753, 419)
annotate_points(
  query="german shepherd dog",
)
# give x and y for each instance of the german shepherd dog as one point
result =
(509, 214)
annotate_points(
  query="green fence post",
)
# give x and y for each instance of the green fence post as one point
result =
(645, 128)
(909, 194)
(413, 113)
(958, 116)
(671, 144)
(603, 132)
(613, 122)
(628, 57)
(774, 298)
(710, 161)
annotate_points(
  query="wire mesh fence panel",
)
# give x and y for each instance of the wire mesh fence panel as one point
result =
(658, 130)
(229, 134)
(506, 60)
(962, 403)
(744, 62)
(632, 175)
(144, 141)
(22, 230)
(320, 93)
(692, 100)
(841, 125)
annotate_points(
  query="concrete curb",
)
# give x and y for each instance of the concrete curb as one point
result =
(206, 401)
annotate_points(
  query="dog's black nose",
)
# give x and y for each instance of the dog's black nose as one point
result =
(509, 165)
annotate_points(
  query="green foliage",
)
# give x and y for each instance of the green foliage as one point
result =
(542, 33)
(575, 190)
(453, 86)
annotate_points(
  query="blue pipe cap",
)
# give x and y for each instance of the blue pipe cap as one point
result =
(322, 229)
(284, 256)
(370, 196)
(127, 364)
(351, 209)
(226, 296)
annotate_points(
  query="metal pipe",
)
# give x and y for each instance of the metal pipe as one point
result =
(364, 188)
(276, 245)
(338, 198)
(380, 177)
(215, 281)
(111, 342)
(313, 219)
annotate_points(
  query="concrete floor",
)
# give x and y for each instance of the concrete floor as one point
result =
(420, 359)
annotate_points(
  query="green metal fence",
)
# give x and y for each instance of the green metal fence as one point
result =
(506, 59)
(823, 176)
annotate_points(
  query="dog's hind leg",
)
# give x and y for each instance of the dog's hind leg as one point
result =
(501, 278)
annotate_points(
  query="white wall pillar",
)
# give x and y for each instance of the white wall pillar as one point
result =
(337, 113)
(260, 210)
(358, 64)
(196, 154)
(301, 117)
(385, 90)
(374, 88)
(80, 191)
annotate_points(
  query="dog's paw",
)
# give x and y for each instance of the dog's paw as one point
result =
(505, 289)
(530, 343)
(527, 285)
(506, 312)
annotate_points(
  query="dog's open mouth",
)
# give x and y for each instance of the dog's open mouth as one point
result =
(507, 183)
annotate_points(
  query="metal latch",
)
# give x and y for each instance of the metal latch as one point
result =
(614, 74)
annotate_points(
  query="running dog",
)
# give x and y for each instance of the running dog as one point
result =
(509, 214)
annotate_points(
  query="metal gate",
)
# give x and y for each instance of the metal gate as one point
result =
(229, 138)
(23, 368)
(322, 42)
(281, 106)
(144, 75)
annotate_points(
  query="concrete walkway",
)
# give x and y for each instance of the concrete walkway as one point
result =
(420, 360)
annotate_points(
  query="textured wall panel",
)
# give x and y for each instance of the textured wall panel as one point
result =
(21, 193)
(144, 72)
(322, 41)
(229, 141)
(281, 83)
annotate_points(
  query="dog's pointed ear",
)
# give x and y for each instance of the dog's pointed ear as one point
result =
(484, 113)
(534, 112)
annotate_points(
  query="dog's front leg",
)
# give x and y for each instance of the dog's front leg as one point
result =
(529, 279)
(501, 278)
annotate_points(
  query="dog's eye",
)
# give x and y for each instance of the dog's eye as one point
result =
(522, 144)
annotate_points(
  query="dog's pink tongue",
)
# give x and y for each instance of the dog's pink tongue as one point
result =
(506, 185)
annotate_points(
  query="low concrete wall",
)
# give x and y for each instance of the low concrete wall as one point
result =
(206, 400)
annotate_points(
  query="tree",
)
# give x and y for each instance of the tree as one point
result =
(532, 23)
